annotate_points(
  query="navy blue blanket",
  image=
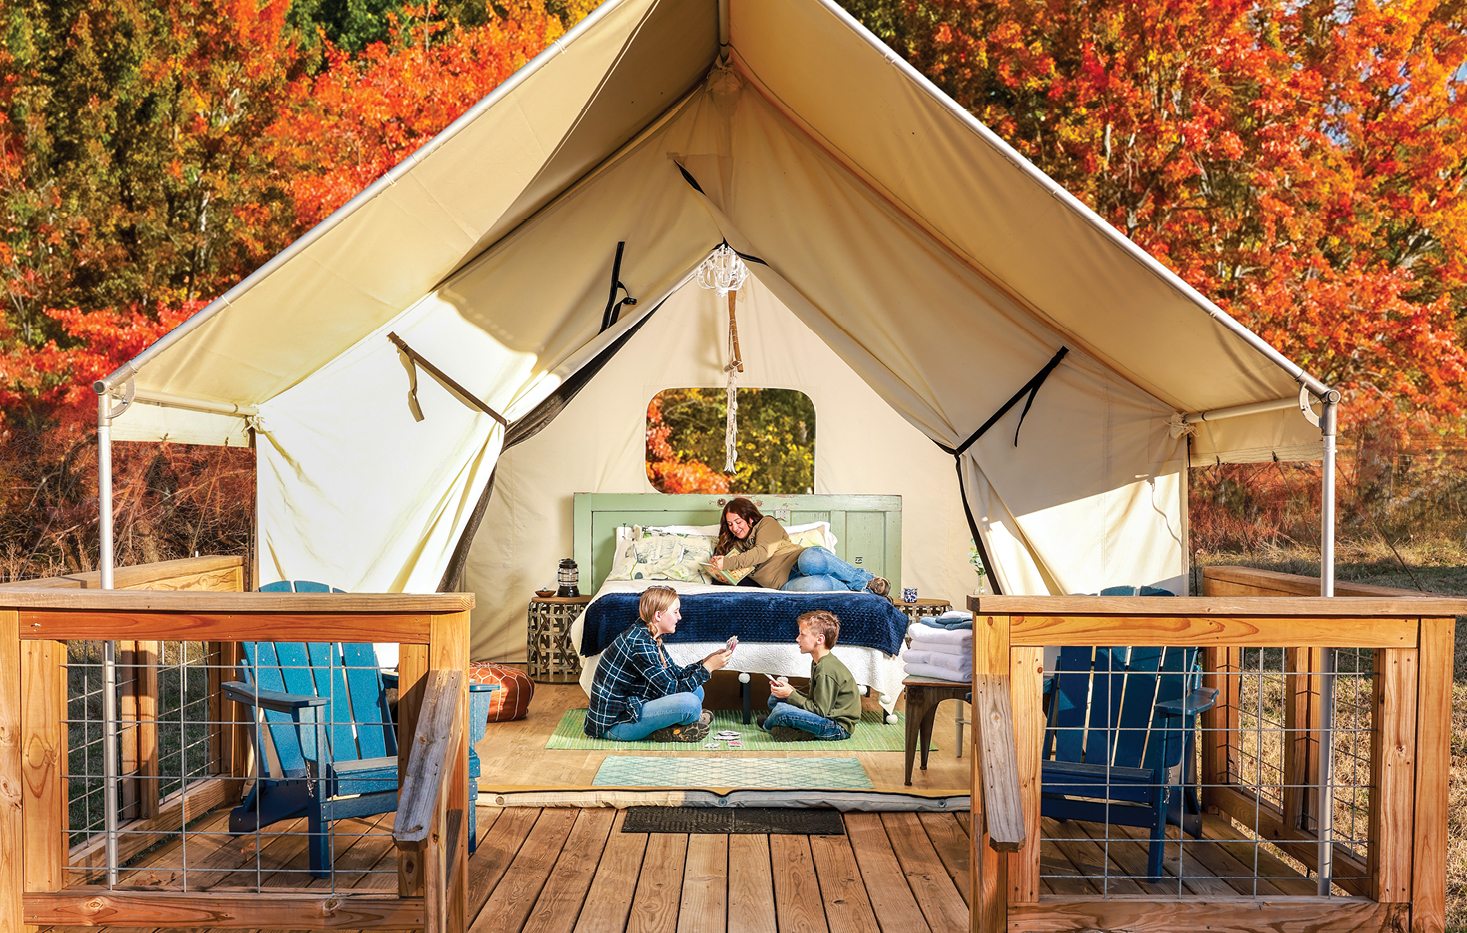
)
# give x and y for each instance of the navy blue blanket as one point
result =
(865, 619)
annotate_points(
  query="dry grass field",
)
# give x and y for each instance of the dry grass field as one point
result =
(1438, 568)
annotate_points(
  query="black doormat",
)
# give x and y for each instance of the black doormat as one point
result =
(762, 821)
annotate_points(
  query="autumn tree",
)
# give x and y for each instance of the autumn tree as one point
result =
(686, 435)
(1300, 163)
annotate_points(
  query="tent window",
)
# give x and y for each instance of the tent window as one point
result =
(776, 441)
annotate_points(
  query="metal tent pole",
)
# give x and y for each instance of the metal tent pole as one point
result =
(109, 648)
(1324, 820)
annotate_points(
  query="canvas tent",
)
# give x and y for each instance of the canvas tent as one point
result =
(914, 248)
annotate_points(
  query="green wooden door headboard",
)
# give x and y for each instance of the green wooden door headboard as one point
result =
(868, 529)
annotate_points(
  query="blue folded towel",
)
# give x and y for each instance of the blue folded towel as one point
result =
(952, 619)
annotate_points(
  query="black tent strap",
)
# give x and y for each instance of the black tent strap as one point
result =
(1029, 389)
(973, 527)
(444, 378)
(613, 307)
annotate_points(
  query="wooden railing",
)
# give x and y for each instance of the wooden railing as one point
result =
(1404, 874)
(1225, 782)
(430, 825)
(142, 805)
(35, 626)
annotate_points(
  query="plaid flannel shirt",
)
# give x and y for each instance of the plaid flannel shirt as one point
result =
(633, 669)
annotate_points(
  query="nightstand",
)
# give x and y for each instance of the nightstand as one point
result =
(552, 657)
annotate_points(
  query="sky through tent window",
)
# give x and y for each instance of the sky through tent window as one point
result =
(776, 442)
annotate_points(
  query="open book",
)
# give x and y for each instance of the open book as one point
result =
(731, 577)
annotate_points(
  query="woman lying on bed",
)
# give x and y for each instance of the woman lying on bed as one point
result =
(749, 539)
(639, 693)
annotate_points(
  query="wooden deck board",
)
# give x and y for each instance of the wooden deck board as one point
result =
(921, 865)
(560, 903)
(952, 843)
(895, 907)
(847, 905)
(797, 902)
(610, 897)
(509, 906)
(660, 885)
(704, 904)
(488, 865)
(750, 886)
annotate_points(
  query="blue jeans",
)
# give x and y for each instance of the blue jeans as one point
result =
(818, 570)
(784, 714)
(677, 709)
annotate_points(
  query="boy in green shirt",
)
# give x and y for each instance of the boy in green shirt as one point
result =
(833, 706)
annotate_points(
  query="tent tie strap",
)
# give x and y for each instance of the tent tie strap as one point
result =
(414, 357)
(1028, 391)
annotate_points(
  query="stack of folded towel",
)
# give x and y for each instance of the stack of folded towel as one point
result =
(953, 618)
(941, 647)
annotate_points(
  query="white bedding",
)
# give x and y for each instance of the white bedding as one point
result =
(881, 672)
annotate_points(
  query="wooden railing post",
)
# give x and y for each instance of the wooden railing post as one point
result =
(42, 710)
(1301, 733)
(987, 879)
(448, 650)
(1392, 773)
(427, 826)
(1026, 675)
(412, 673)
(12, 809)
(1221, 668)
(1433, 765)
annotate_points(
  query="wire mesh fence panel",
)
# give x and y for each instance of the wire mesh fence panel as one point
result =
(1122, 763)
(304, 800)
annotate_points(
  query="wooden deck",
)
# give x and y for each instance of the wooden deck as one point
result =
(571, 869)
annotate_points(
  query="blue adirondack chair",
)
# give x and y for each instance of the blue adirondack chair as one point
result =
(1119, 737)
(325, 707)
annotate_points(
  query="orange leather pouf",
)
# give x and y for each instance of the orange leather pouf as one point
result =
(512, 699)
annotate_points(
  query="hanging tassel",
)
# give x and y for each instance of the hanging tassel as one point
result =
(734, 367)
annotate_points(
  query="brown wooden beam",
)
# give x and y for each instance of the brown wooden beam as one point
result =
(1142, 914)
(100, 907)
(210, 625)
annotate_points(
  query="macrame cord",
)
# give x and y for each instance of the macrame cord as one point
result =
(725, 272)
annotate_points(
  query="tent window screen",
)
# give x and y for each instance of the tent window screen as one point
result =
(775, 441)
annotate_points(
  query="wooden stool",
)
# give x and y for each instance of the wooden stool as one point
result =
(923, 695)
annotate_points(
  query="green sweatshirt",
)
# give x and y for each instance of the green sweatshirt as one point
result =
(769, 550)
(832, 693)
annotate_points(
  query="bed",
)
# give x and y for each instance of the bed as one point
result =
(866, 531)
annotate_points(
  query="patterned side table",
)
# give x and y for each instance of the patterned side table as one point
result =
(552, 657)
(923, 607)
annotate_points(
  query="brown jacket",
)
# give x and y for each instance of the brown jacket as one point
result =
(767, 549)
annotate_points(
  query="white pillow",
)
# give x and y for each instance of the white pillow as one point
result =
(623, 556)
(824, 528)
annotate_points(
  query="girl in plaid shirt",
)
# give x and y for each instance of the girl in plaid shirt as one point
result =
(638, 693)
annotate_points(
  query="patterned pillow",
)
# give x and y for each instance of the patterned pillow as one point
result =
(659, 556)
(512, 699)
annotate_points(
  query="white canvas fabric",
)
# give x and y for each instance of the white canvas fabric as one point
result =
(934, 266)
(861, 446)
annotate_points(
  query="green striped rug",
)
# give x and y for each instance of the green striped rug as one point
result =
(782, 773)
(872, 734)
